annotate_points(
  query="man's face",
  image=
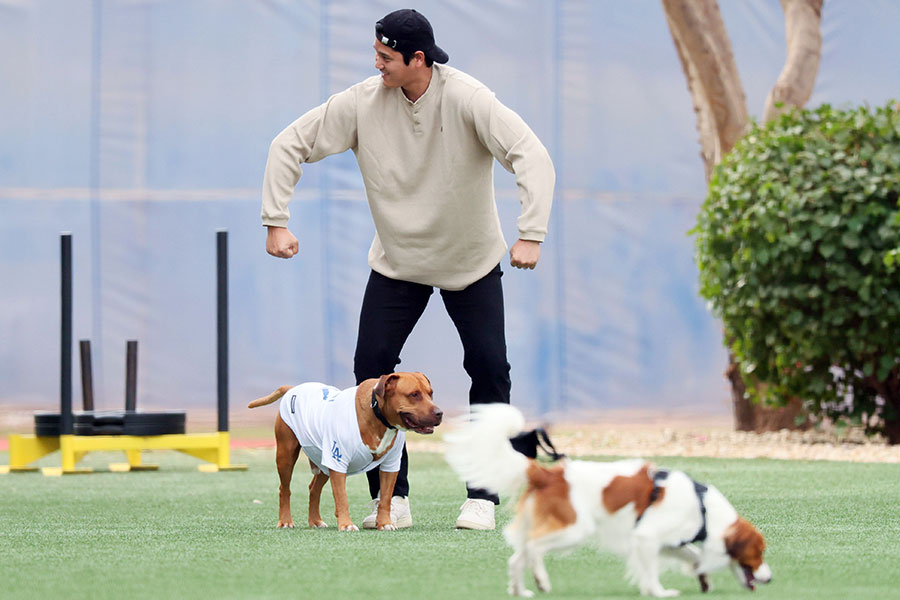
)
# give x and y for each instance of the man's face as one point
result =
(394, 72)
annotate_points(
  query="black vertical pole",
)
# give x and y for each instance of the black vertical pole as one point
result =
(222, 327)
(131, 348)
(65, 362)
(87, 378)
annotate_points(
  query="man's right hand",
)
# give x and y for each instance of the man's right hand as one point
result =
(281, 242)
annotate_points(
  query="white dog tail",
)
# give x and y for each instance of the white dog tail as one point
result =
(478, 449)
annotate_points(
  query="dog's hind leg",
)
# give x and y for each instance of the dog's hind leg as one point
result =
(315, 493)
(287, 450)
(517, 575)
(557, 541)
(643, 562)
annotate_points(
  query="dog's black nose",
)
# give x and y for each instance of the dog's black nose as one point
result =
(438, 414)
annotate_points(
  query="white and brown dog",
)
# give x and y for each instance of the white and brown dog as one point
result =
(347, 432)
(628, 506)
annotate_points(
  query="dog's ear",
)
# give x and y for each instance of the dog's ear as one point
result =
(386, 383)
(735, 545)
(744, 543)
(423, 376)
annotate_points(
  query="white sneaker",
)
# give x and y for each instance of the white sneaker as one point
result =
(476, 514)
(400, 514)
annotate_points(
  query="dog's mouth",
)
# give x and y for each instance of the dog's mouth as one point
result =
(412, 424)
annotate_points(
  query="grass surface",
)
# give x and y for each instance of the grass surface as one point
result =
(833, 531)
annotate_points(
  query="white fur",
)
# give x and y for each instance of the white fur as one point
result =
(478, 449)
(486, 434)
(385, 442)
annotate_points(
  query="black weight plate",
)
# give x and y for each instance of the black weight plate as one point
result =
(46, 418)
(91, 429)
(44, 430)
(46, 424)
(113, 423)
(106, 417)
(132, 423)
(157, 423)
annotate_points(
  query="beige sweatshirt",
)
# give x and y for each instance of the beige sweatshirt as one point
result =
(427, 167)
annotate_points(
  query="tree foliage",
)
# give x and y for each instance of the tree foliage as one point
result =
(794, 244)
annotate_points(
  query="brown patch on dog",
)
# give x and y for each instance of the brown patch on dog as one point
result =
(552, 509)
(745, 544)
(637, 488)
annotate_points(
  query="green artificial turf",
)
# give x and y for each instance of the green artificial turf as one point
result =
(833, 531)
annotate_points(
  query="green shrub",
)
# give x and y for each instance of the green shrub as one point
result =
(797, 245)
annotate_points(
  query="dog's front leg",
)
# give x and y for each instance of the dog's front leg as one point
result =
(386, 481)
(315, 493)
(690, 557)
(341, 507)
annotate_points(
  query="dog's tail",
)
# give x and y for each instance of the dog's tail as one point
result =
(480, 452)
(270, 398)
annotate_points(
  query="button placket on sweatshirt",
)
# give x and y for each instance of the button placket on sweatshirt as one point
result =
(417, 109)
(414, 110)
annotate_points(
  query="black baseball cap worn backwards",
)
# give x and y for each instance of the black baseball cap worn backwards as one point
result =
(408, 30)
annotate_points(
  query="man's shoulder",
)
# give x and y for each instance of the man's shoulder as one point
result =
(369, 84)
(368, 89)
(458, 84)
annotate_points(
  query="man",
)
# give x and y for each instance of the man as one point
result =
(425, 136)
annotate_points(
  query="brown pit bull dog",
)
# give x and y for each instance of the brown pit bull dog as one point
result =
(344, 432)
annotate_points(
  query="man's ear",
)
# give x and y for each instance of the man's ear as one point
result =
(419, 56)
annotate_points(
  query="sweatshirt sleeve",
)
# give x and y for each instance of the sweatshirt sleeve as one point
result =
(518, 149)
(325, 130)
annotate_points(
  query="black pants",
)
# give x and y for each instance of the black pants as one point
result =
(390, 310)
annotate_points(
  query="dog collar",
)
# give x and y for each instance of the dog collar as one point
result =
(378, 414)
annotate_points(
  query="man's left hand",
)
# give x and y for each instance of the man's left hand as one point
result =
(525, 254)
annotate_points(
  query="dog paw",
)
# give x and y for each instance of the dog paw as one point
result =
(659, 591)
(318, 524)
(285, 524)
(350, 527)
(388, 527)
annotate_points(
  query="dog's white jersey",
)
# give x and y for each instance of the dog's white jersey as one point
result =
(324, 420)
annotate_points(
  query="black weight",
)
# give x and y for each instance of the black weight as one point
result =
(91, 429)
(46, 424)
(114, 422)
(157, 423)
(106, 417)
(131, 423)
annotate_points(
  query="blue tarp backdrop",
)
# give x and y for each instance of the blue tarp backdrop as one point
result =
(142, 127)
